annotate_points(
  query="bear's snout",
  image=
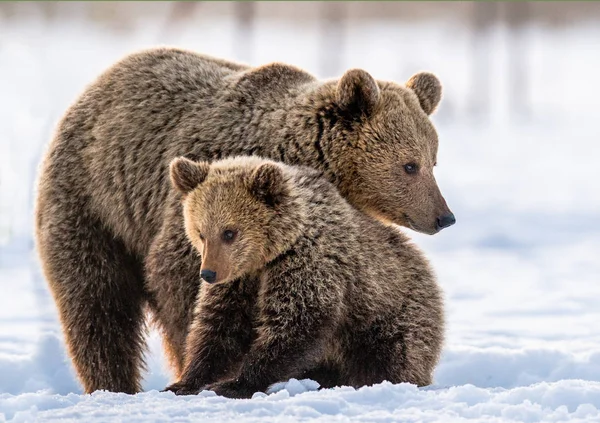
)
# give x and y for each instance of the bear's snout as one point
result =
(208, 275)
(445, 220)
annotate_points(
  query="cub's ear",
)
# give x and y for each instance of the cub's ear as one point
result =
(187, 175)
(266, 184)
(357, 92)
(428, 89)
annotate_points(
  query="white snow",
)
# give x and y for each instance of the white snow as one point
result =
(564, 401)
(520, 269)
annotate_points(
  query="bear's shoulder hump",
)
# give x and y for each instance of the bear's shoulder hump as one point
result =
(273, 76)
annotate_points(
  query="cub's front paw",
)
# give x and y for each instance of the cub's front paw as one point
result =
(232, 389)
(183, 388)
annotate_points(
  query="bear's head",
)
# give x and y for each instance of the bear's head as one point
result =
(382, 148)
(239, 213)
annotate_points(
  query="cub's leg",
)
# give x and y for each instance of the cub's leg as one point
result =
(401, 349)
(372, 355)
(298, 312)
(221, 333)
(328, 375)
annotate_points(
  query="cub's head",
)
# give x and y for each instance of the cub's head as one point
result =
(239, 213)
(383, 149)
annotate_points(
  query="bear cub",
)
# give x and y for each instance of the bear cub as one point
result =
(299, 284)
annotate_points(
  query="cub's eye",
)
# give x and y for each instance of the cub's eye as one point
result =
(229, 235)
(201, 237)
(411, 168)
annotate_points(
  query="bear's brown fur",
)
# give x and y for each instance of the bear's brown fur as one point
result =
(109, 228)
(338, 295)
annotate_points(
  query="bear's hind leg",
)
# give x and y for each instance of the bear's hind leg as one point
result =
(98, 289)
(392, 351)
(373, 356)
(328, 375)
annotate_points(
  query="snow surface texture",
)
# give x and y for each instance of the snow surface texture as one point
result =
(520, 269)
(565, 401)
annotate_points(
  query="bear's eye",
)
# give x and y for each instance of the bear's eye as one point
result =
(411, 168)
(229, 235)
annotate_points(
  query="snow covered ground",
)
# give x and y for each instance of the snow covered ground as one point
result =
(520, 269)
(565, 401)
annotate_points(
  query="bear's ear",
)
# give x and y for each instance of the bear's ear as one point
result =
(428, 89)
(187, 175)
(267, 185)
(357, 92)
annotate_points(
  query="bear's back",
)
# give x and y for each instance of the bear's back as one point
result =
(113, 144)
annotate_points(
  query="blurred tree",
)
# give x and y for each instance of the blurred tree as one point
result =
(243, 39)
(114, 15)
(518, 16)
(179, 15)
(332, 38)
(484, 15)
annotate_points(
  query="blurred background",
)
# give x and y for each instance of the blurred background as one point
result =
(518, 124)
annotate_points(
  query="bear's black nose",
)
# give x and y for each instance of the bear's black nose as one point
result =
(208, 275)
(445, 221)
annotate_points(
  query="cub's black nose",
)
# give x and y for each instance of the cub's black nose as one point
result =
(208, 275)
(445, 221)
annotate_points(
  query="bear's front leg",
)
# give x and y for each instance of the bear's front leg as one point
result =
(220, 334)
(298, 316)
(233, 389)
(183, 388)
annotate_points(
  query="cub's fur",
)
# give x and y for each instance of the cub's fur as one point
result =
(303, 284)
